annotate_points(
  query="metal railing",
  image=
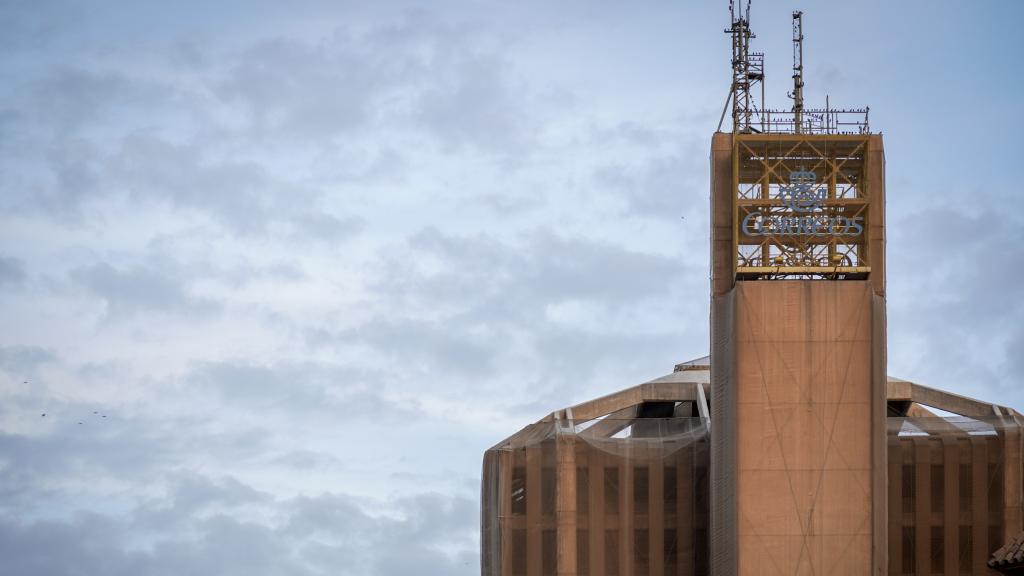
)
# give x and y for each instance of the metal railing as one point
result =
(812, 121)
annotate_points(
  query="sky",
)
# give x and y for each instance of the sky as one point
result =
(278, 274)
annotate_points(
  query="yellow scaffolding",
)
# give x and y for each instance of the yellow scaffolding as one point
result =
(800, 206)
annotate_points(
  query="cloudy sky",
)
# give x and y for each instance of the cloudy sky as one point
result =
(279, 273)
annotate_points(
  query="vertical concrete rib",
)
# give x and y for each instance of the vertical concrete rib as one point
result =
(723, 436)
(565, 503)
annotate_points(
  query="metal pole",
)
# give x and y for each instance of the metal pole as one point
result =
(798, 71)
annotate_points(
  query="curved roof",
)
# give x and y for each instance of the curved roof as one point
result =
(688, 386)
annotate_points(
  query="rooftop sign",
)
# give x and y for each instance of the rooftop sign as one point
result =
(800, 206)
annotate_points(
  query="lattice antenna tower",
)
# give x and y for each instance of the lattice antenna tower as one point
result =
(746, 92)
(798, 71)
(747, 72)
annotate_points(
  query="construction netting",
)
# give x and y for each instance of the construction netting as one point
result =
(948, 492)
(599, 498)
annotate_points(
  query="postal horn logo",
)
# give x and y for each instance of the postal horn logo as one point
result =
(803, 193)
(804, 212)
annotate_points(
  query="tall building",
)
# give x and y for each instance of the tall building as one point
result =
(787, 451)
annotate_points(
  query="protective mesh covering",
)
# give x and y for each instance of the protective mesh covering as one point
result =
(798, 393)
(723, 413)
(879, 391)
(600, 498)
(947, 491)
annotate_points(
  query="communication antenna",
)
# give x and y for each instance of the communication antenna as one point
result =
(749, 115)
(798, 71)
(747, 72)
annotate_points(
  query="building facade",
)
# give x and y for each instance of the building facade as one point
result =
(621, 485)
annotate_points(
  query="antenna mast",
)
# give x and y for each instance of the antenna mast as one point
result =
(747, 71)
(749, 115)
(798, 71)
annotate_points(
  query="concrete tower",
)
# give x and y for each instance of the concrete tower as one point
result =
(798, 352)
(798, 332)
